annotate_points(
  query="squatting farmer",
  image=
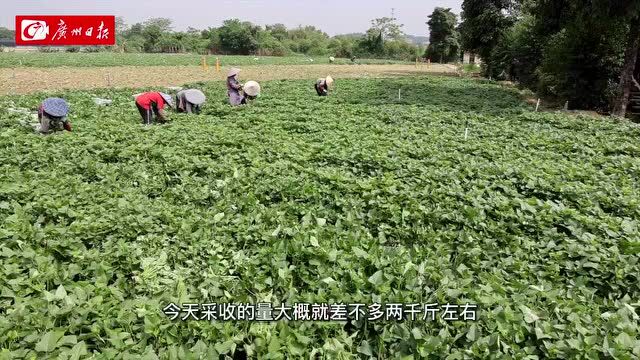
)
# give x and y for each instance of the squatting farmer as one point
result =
(323, 85)
(152, 103)
(190, 101)
(234, 87)
(52, 116)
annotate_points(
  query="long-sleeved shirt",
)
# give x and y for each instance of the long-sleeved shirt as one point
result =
(234, 87)
(148, 99)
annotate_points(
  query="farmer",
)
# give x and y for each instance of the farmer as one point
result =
(151, 103)
(251, 91)
(189, 101)
(234, 88)
(52, 116)
(322, 86)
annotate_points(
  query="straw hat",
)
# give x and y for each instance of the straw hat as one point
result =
(194, 96)
(167, 99)
(329, 81)
(251, 88)
(55, 107)
(233, 72)
(332, 59)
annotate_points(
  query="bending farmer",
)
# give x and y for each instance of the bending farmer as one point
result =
(52, 116)
(251, 91)
(323, 85)
(151, 103)
(189, 101)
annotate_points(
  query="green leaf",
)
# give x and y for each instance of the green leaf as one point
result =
(49, 341)
(218, 217)
(61, 293)
(365, 349)
(359, 252)
(328, 280)
(321, 221)
(625, 340)
(529, 315)
(79, 350)
(376, 278)
(314, 241)
(473, 334)
(274, 345)
(276, 232)
(225, 347)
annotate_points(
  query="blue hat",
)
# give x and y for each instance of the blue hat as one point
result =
(55, 107)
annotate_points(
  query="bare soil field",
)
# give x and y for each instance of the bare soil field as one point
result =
(27, 80)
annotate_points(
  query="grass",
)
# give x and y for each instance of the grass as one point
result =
(360, 197)
(36, 59)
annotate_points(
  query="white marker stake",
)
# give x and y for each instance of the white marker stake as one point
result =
(566, 106)
(398, 94)
(538, 105)
(466, 133)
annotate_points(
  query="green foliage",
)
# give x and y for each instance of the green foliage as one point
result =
(444, 43)
(56, 59)
(581, 61)
(483, 24)
(388, 27)
(7, 34)
(238, 38)
(569, 50)
(357, 197)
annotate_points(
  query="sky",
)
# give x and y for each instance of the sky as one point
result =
(332, 16)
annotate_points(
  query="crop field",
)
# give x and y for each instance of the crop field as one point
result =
(360, 197)
(60, 59)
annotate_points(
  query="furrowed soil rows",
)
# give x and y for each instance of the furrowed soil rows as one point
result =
(27, 80)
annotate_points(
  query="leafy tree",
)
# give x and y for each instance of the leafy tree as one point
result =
(6, 33)
(278, 31)
(162, 24)
(629, 13)
(372, 44)
(483, 25)
(153, 31)
(443, 37)
(388, 27)
(237, 37)
(343, 46)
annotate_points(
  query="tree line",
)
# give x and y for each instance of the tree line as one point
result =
(384, 39)
(581, 51)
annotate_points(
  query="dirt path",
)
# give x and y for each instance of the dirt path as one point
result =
(28, 80)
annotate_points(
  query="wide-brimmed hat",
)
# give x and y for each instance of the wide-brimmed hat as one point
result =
(194, 96)
(167, 99)
(55, 107)
(233, 72)
(329, 81)
(251, 88)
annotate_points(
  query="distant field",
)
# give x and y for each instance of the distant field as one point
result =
(117, 59)
(25, 80)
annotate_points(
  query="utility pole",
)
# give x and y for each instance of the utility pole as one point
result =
(393, 13)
